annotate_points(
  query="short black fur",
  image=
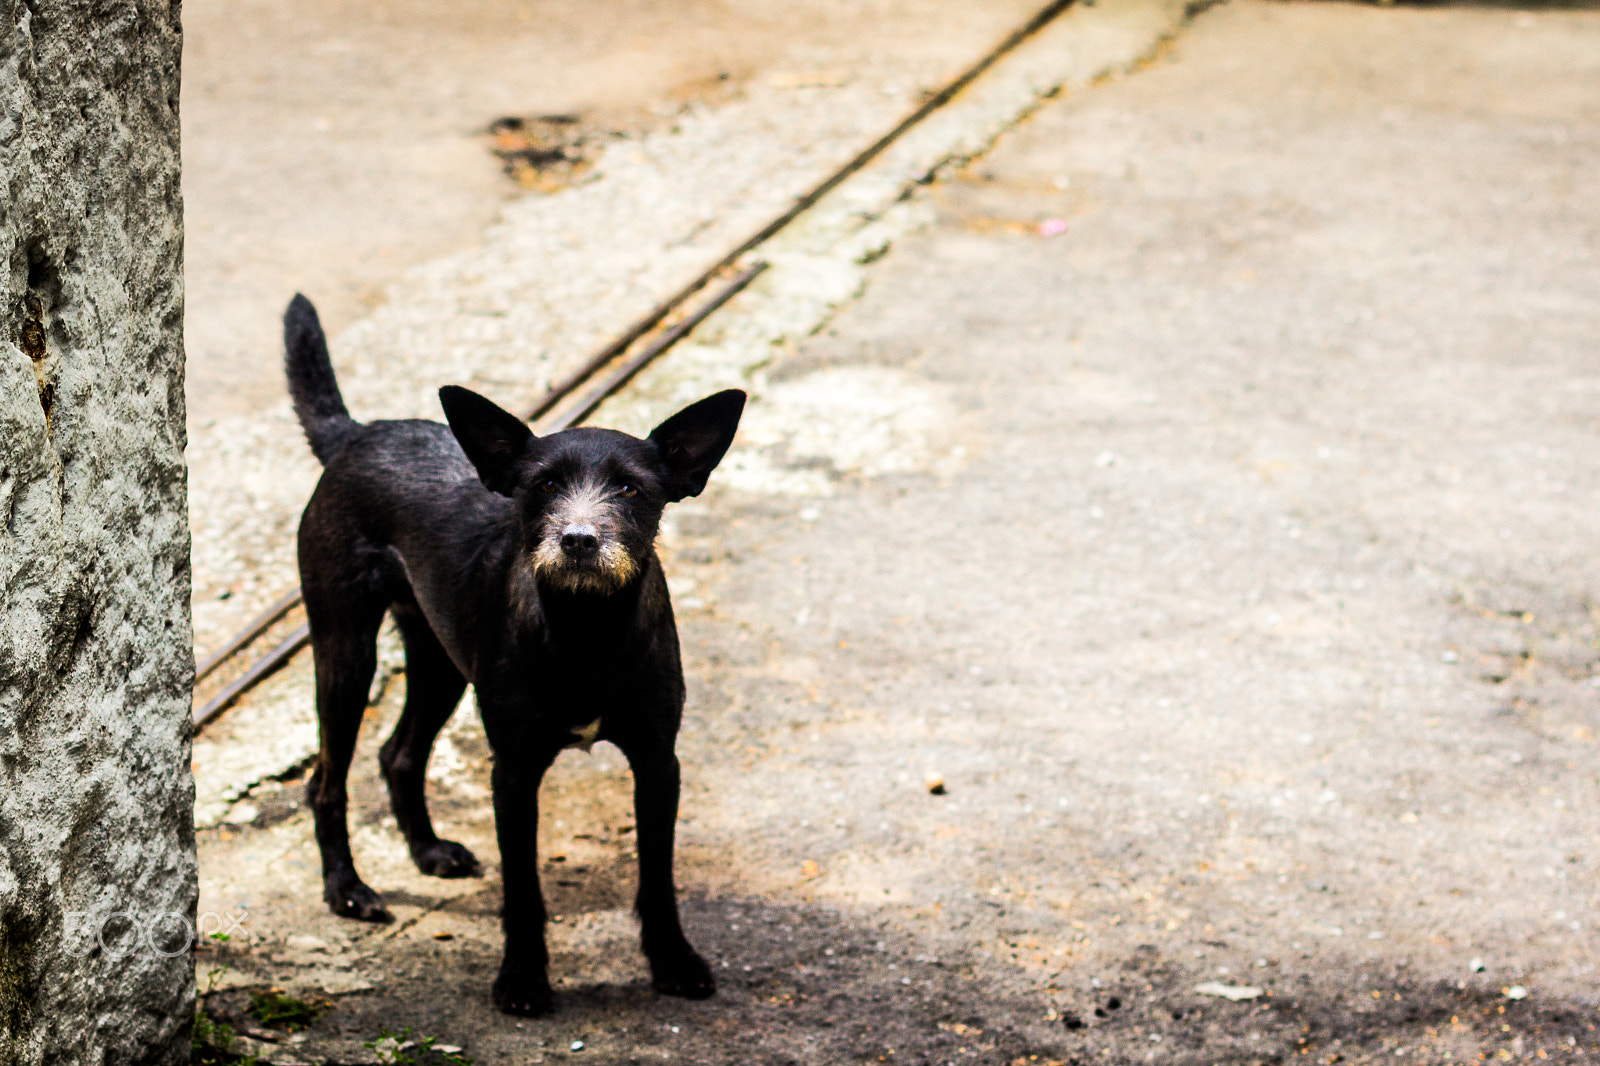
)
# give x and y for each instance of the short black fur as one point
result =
(526, 567)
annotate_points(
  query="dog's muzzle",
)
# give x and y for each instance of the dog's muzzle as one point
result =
(583, 558)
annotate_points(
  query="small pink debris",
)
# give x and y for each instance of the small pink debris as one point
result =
(1052, 227)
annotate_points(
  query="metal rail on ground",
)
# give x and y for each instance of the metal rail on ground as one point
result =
(618, 347)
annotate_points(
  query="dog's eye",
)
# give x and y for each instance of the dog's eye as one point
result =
(547, 486)
(629, 492)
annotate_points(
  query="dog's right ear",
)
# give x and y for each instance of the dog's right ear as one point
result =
(492, 437)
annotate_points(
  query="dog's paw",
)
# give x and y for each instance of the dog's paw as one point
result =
(356, 900)
(446, 858)
(523, 992)
(683, 973)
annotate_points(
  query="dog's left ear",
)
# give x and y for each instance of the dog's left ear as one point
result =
(693, 441)
(492, 437)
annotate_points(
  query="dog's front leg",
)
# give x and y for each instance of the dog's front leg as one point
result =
(523, 986)
(675, 967)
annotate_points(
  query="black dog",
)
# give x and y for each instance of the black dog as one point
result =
(526, 567)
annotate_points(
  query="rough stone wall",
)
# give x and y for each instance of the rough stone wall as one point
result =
(97, 867)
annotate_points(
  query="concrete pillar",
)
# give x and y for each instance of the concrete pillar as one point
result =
(97, 859)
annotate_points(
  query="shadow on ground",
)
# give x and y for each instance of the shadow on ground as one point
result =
(805, 983)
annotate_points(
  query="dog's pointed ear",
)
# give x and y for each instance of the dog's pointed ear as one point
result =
(492, 437)
(693, 441)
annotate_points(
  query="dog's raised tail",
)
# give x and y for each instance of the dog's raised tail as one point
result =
(312, 386)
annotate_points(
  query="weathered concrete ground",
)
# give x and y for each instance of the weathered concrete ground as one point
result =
(342, 150)
(1230, 555)
(331, 144)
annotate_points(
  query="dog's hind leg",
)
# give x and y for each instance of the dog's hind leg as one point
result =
(344, 639)
(433, 688)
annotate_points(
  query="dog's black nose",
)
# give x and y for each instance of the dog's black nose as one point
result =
(580, 542)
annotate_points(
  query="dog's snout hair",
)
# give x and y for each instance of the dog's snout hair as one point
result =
(580, 541)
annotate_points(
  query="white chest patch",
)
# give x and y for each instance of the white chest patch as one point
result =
(583, 736)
